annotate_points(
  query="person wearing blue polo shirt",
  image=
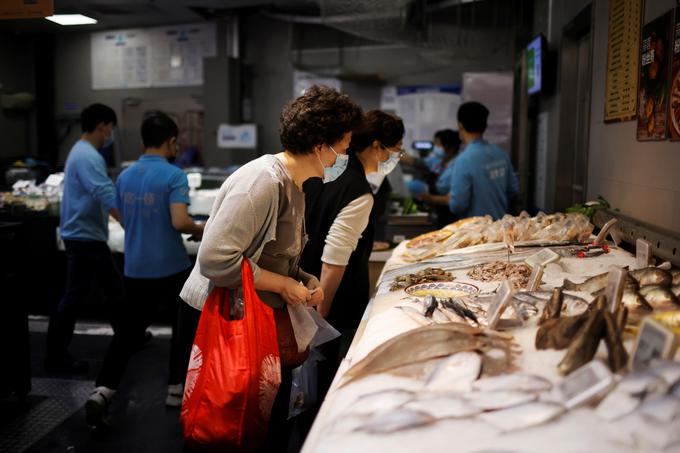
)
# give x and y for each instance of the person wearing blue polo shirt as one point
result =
(481, 180)
(89, 198)
(153, 196)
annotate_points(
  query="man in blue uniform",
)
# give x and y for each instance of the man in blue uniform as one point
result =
(89, 197)
(153, 196)
(482, 178)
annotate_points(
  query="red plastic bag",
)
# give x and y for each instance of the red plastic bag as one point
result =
(234, 373)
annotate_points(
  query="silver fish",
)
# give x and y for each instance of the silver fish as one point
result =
(490, 401)
(524, 416)
(590, 285)
(652, 276)
(675, 273)
(380, 401)
(668, 370)
(616, 405)
(675, 289)
(426, 343)
(430, 305)
(441, 406)
(572, 304)
(596, 283)
(660, 297)
(513, 382)
(415, 315)
(398, 420)
(661, 408)
(634, 301)
(642, 383)
(456, 373)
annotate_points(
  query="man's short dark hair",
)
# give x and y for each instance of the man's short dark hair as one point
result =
(157, 128)
(96, 114)
(388, 129)
(448, 138)
(473, 117)
(321, 116)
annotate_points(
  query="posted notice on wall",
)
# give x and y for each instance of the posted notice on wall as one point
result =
(153, 57)
(653, 88)
(674, 104)
(620, 99)
(237, 136)
(425, 109)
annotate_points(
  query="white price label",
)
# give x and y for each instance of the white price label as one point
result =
(542, 258)
(585, 384)
(536, 278)
(654, 341)
(616, 281)
(499, 304)
(643, 253)
(54, 180)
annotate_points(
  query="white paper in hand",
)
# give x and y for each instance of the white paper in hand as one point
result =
(326, 332)
(304, 326)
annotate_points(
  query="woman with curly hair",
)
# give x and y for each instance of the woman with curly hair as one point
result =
(259, 211)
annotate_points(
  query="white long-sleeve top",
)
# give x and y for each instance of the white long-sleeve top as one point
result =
(346, 230)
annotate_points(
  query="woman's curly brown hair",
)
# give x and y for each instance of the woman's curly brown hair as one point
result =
(321, 116)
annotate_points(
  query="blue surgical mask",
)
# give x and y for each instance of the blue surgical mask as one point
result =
(108, 141)
(338, 168)
(438, 152)
(385, 168)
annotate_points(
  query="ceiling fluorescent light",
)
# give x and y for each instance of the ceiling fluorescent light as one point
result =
(71, 19)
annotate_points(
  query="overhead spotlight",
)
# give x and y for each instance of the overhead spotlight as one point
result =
(71, 19)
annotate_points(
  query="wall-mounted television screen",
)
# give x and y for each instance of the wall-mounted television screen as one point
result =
(535, 56)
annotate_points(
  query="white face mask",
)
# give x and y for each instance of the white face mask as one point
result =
(375, 180)
(338, 168)
(385, 168)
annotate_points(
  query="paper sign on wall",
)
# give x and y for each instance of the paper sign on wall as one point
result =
(242, 136)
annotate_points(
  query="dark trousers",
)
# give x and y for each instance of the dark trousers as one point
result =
(144, 299)
(87, 263)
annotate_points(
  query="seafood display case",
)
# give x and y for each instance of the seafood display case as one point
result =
(457, 352)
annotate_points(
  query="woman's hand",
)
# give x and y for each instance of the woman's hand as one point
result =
(317, 296)
(293, 293)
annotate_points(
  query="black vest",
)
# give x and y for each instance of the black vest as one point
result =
(323, 202)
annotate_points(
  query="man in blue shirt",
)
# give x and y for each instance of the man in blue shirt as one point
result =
(481, 180)
(88, 200)
(153, 196)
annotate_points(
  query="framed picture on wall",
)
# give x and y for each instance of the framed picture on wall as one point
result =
(653, 86)
(674, 96)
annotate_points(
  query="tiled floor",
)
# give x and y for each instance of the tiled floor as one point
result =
(53, 418)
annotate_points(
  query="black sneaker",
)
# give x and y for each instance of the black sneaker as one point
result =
(68, 365)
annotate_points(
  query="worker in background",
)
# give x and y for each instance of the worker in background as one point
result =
(482, 180)
(153, 196)
(88, 200)
(446, 147)
(340, 224)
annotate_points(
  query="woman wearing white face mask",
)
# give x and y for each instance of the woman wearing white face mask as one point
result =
(340, 227)
(259, 215)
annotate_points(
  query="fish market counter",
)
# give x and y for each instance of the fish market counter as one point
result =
(441, 405)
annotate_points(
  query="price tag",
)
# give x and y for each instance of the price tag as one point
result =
(536, 278)
(543, 257)
(585, 384)
(604, 231)
(616, 281)
(21, 184)
(643, 253)
(617, 236)
(499, 304)
(654, 341)
(54, 180)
